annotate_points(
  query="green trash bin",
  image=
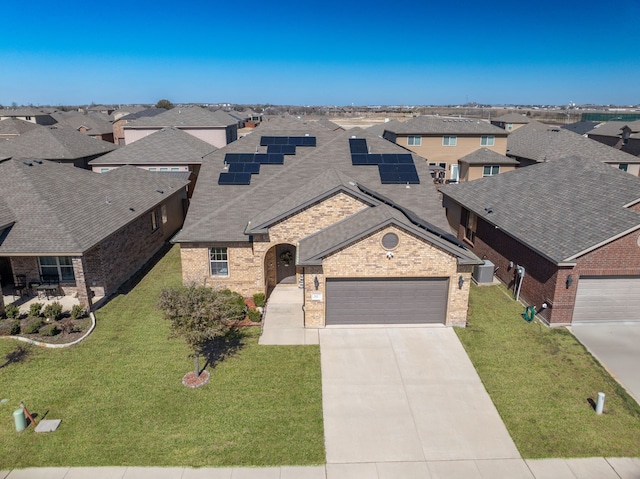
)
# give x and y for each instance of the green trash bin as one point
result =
(19, 419)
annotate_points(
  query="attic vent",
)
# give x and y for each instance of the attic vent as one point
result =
(28, 163)
(38, 161)
(160, 191)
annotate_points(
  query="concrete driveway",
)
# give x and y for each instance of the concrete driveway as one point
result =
(616, 347)
(405, 395)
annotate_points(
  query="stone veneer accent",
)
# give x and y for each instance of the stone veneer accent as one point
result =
(248, 261)
(413, 257)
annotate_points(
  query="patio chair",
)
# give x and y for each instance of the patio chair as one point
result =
(20, 288)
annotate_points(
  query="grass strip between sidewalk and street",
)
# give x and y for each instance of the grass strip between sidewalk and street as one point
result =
(121, 400)
(542, 379)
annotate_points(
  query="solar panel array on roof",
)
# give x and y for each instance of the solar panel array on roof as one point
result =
(358, 145)
(398, 174)
(284, 149)
(261, 158)
(288, 140)
(381, 158)
(234, 179)
(253, 168)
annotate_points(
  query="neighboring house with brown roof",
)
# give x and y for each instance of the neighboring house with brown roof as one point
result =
(14, 127)
(87, 232)
(510, 121)
(216, 128)
(484, 162)
(363, 235)
(443, 141)
(168, 150)
(33, 115)
(537, 143)
(61, 144)
(622, 135)
(563, 235)
(95, 125)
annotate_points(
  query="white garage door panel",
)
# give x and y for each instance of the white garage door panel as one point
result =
(607, 298)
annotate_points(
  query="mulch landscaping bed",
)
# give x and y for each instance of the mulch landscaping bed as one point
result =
(80, 327)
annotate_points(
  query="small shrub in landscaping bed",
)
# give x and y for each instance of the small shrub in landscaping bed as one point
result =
(12, 311)
(33, 326)
(9, 327)
(259, 299)
(35, 309)
(254, 315)
(78, 312)
(68, 326)
(53, 311)
(50, 330)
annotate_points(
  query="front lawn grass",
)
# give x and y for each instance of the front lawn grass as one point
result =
(541, 380)
(121, 400)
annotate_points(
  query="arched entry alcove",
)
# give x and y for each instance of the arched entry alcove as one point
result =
(280, 265)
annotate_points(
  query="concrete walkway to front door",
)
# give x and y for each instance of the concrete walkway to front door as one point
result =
(407, 395)
(283, 321)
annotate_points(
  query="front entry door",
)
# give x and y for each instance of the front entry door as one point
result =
(285, 264)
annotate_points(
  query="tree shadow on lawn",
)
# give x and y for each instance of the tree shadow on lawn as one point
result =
(16, 356)
(222, 347)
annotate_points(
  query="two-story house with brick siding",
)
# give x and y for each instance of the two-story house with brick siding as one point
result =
(86, 232)
(352, 219)
(443, 141)
(564, 235)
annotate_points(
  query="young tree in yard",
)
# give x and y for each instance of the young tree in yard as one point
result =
(201, 315)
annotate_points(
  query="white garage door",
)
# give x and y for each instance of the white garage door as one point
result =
(607, 298)
(386, 300)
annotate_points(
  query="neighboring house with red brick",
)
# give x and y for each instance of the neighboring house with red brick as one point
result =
(510, 121)
(569, 229)
(217, 128)
(364, 235)
(169, 150)
(61, 144)
(90, 232)
(537, 143)
(624, 136)
(443, 141)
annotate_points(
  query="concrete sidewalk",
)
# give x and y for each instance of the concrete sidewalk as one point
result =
(587, 468)
(284, 319)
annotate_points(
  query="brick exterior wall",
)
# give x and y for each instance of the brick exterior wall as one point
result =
(544, 281)
(248, 261)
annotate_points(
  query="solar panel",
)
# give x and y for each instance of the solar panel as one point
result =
(389, 159)
(244, 168)
(358, 145)
(359, 159)
(398, 174)
(267, 140)
(280, 140)
(296, 140)
(234, 179)
(405, 159)
(270, 158)
(308, 141)
(374, 159)
(284, 149)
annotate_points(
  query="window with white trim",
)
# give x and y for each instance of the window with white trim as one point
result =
(175, 169)
(164, 169)
(623, 166)
(155, 220)
(60, 267)
(219, 260)
(487, 140)
(490, 170)
(449, 140)
(470, 227)
(414, 141)
(163, 214)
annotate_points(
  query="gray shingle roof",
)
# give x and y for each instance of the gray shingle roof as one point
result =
(14, 126)
(559, 208)
(27, 111)
(54, 143)
(329, 125)
(94, 123)
(435, 125)
(168, 145)
(312, 249)
(184, 117)
(537, 144)
(511, 118)
(485, 156)
(221, 213)
(141, 114)
(581, 127)
(379, 129)
(614, 128)
(65, 210)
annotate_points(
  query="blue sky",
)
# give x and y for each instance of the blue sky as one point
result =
(321, 53)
